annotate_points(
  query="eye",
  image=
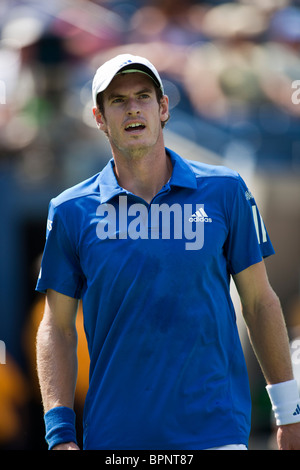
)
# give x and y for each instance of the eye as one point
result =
(144, 96)
(117, 100)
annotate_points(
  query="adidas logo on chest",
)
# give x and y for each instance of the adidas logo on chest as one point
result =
(200, 216)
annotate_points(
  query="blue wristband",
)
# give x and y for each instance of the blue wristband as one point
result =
(60, 426)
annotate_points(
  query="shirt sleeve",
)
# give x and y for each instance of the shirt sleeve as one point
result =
(60, 267)
(248, 241)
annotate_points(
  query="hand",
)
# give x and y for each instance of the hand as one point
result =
(66, 446)
(288, 437)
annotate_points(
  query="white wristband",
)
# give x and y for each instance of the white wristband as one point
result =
(285, 402)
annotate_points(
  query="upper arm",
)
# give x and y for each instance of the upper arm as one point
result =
(254, 288)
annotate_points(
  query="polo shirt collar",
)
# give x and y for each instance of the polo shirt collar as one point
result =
(182, 176)
(108, 183)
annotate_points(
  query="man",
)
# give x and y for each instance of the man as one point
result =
(149, 244)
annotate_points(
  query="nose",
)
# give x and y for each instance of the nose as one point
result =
(133, 108)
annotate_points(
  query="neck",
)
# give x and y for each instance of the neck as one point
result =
(143, 175)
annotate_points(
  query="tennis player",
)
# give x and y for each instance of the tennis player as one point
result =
(150, 245)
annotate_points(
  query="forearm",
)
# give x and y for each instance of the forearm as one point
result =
(56, 364)
(268, 335)
(269, 339)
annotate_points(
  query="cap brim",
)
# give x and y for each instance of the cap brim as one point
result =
(132, 67)
(142, 68)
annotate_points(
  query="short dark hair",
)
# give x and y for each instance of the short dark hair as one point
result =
(158, 92)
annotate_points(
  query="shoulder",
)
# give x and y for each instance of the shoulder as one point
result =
(204, 170)
(198, 172)
(86, 188)
(219, 178)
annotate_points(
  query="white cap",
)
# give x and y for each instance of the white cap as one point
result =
(124, 63)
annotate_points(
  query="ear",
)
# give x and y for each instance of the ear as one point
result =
(164, 108)
(99, 119)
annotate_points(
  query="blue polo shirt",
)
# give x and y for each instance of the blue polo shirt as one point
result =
(167, 369)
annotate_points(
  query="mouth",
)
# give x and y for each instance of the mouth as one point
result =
(135, 127)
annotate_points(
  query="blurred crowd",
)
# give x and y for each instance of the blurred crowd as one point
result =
(228, 68)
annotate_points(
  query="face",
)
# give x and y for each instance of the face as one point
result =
(132, 115)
